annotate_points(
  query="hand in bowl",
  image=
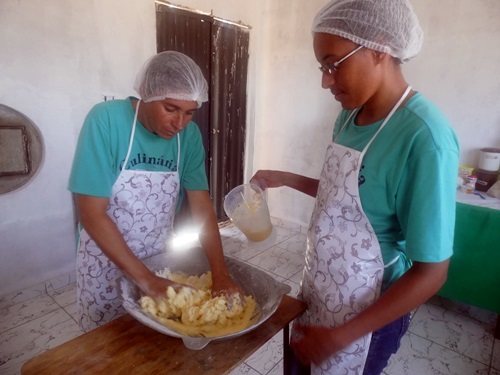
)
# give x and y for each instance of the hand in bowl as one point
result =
(225, 285)
(157, 286)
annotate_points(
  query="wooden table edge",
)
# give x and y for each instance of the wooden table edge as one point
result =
(289, 306)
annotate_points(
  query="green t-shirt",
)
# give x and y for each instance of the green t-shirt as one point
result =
(407, 183)
(103, 145)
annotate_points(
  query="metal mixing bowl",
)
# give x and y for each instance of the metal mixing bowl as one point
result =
(266, 290)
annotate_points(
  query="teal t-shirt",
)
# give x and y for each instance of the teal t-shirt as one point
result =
(103, 145)
(407, 183)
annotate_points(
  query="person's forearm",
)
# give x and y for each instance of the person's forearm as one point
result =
(211, 242)
(301, 183)
(212, 247)
(415, 287)
(274, 179)
(204, 217)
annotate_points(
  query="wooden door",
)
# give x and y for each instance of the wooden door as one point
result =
(221, 51)
(228, 109)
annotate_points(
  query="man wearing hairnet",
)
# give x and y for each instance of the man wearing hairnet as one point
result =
(133, 158)
(381, 233)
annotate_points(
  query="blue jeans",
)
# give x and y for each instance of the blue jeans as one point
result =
(384, 343)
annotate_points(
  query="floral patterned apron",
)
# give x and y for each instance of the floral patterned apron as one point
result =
(142, 205)
(344, 267)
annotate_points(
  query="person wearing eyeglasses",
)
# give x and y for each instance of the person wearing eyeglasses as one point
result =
(381, 232)
(134, 158)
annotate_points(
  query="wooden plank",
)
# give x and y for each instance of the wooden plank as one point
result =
(125, 346)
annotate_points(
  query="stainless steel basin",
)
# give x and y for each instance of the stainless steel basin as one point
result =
(267, 291)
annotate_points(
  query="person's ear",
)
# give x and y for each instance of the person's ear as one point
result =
(381, 57)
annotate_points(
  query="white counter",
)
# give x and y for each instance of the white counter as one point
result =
(478, 198)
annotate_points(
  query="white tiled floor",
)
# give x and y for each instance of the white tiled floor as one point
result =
(444, 337)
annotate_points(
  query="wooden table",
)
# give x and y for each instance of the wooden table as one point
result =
(126, 346)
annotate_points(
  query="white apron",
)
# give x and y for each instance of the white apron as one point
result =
(142, 205)
(344, 266)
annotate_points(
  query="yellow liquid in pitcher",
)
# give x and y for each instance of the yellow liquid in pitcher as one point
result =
(252, 218)
(258, 236)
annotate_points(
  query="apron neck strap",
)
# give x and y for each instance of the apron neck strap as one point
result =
(394, 109)
(132, 134)
(178, 152)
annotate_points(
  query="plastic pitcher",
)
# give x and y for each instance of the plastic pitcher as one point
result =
(247, 208)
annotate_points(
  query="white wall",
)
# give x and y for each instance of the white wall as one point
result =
(59, 57)
(459, 68)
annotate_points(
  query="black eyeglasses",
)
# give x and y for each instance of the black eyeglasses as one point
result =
(332, 68)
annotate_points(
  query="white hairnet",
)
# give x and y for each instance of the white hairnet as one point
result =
(173, 75)
(388, 26)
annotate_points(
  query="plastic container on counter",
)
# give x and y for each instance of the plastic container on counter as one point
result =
(485, 179)
(489, 159)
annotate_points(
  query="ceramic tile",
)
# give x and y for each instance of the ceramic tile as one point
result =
(280, 223)
(268, 355)
(471, 311)
(72, 310)
(277, 369)
(239, 248)
(26, 311)
(36, 291)
(15, 298)
(22, 343)
(296, 244)
(283, 234)
(279, 261)
(297, 277)
(418, 355)
(244, 369)
(60, 282)
(495, 361)
(455, 331)
(229, 230)
(64, 296)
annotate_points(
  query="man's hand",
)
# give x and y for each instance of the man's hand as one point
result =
(225, 285)
(316, 344)
(156, 287)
